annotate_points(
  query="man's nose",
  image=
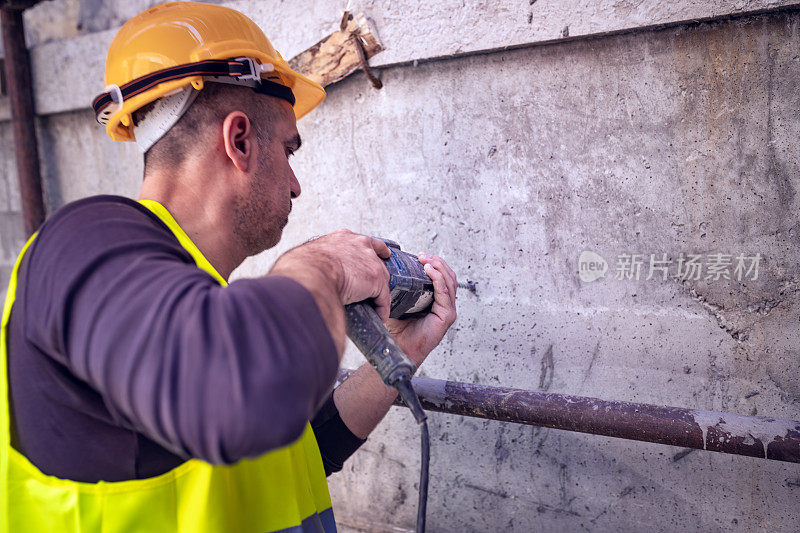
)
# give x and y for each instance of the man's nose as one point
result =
(295, 187)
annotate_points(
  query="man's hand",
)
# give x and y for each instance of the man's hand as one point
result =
(338, 269)
(418, 336)
(363, 399)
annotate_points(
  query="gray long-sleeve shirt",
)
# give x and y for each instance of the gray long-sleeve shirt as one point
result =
(125, 358)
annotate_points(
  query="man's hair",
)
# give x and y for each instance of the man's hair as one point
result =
(195, 129)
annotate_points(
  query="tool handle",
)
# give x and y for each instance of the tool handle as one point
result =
(365, 329)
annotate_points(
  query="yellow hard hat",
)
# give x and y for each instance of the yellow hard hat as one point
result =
(171, 46)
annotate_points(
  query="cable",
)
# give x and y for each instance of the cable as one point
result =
(368, 333)
(423, 478)
(410, 398)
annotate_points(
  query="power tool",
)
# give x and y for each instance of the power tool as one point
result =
(411, 293)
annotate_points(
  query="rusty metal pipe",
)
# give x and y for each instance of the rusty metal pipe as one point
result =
(753, 436)
(20, 97)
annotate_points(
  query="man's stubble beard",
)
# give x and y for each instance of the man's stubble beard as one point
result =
(256, 223)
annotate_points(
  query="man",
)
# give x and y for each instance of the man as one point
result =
(143, 395)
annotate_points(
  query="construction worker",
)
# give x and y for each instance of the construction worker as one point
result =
(140, 391)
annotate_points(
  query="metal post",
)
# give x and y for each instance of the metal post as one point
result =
(754, 436)
(20, 95)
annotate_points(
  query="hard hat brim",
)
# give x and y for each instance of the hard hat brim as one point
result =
(308, 94)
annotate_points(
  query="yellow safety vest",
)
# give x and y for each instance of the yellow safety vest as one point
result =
(283, 490)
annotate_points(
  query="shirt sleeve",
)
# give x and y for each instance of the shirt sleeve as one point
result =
(335, 440)
(214, 373)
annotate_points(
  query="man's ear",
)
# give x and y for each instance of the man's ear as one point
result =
(237, 139)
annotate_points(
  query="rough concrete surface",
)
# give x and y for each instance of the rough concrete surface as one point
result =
(509, 165)
(70, 37)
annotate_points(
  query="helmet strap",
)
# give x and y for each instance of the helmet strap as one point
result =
(262, 86)
(242, 71)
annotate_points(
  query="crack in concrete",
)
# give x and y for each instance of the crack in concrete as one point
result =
(738, 334)
(502, 494)
(763, 308)
(789, 290)
(588, 371)
(680, 455)
(547, 369)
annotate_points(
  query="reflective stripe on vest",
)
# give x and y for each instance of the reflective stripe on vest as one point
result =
(283, 490)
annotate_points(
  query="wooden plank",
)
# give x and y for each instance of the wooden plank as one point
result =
(340, 53)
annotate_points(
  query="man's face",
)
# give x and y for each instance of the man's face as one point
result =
(263, 211)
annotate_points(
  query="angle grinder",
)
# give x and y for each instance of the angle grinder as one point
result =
(411, 294)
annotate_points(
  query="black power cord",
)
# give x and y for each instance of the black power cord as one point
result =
(422, 506)
(410, 398)
(370, 336)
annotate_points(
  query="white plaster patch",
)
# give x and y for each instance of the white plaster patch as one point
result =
(752, 429)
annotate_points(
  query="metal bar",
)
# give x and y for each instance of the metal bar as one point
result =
(20, 96)
(753, 436)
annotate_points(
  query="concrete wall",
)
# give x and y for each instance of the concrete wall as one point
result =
(648, 133)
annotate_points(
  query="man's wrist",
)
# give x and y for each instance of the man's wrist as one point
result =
(331, 269)
(416, 355)
(317, 265)
(318, 276)
(317, 272)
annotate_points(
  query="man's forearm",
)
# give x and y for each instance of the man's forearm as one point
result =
(363, 400)
(331, 308)
(323, 288)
